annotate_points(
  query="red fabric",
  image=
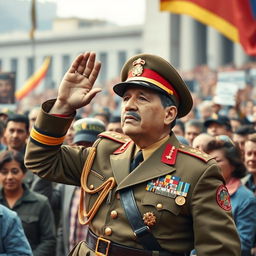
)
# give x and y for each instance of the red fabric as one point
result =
(238, 13)
(59, 115)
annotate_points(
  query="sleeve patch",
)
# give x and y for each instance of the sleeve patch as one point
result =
(223, 198)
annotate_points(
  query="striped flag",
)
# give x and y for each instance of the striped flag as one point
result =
(235, 19)
(34, 80)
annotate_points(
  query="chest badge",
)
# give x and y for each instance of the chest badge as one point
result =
(149, 219)
(170, 186)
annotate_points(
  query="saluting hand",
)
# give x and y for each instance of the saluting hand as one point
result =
(76, 88)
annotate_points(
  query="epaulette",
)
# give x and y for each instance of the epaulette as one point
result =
(118, 137)
(195, 152)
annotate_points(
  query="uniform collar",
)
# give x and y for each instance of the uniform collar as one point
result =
(148, 151)
(149, 169)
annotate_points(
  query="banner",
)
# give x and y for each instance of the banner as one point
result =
(34, 80)
(235, 19)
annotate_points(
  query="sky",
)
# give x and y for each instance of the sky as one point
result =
(121, 12)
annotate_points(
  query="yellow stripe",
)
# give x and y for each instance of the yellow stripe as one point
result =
(151, 81)
(44, 139)
(204, 16)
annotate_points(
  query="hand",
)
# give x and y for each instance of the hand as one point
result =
(76, 88)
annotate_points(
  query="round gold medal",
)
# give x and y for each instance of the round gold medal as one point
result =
(180, 200)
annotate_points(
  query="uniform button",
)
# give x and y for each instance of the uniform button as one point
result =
(108, 231)
(91, 187)
(159, 206)
(113, 214)
(117, 196)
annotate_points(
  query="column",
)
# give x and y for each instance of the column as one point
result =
(240, 57)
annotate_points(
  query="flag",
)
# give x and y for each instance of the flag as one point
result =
(235, 19)
(34, 80)
(33, 19)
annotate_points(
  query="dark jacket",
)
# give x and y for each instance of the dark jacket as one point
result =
(37, 220)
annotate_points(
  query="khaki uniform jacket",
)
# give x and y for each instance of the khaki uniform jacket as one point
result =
(200, 223)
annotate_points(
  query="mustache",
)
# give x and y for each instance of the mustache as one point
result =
(133, 114)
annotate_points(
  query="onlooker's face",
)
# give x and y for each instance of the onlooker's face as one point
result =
(15, 135)
(178, 131)
(223, 162)
(215, 129)
(70, 135)
(191, 132)
(5, 88)
(240, 140)
(32, 117)
(11, 176)
(201, 141)
(143, 116)
(250, 156)
(114, 127)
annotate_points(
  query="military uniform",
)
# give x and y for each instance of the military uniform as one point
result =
(179, 191)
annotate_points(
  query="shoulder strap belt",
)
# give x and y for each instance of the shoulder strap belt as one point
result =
(142, 232)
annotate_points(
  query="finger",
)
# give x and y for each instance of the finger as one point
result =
(75, 64)
(95, 72)
(82, 65)
(91, 94)
(90, 64)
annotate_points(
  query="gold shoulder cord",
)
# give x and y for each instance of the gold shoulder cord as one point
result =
(84, 217)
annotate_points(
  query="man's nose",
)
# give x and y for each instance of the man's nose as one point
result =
(130, 104)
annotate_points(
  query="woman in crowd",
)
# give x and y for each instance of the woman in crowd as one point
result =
(32, 208)
(243, 201)
(12, 238)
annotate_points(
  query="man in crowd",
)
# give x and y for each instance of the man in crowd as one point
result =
(192, 129)
(144, 193)
(218, 125)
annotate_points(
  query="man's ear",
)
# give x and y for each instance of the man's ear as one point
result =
(170, 115)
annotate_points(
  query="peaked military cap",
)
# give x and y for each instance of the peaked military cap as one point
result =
(154, 72)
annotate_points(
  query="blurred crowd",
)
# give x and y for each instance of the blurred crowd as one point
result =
(49, 211)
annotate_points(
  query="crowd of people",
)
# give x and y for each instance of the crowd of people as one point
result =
(49, 210)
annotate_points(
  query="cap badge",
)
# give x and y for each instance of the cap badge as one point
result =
(149, 219)
(137, 70)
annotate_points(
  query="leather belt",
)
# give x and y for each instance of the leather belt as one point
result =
(104, 247)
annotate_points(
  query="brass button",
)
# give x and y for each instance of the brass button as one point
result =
(108, 231)
(91, 187)
(113, 214)
(159, 206)
(117, 196)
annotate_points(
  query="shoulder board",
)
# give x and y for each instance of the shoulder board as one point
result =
(195, 152)
(115, 136)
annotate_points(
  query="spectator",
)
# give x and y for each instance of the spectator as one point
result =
(13, 241)
(115, 124)
(243, 201)
(240, 136)
(2, 128)
(218, 125)
(7, 88)
(250, 162)
(32, 208)
(32, 116)
(16, 132)
(71, 231)
(192, 129)
(179, 128)
(235, 123)
(201, 141)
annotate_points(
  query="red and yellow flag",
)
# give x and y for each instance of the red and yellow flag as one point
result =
(34, 80)
(235, 19)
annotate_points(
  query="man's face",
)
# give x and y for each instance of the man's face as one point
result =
(250, 156)
(115, 127)
(143, 115)
(191, 132)
(215, 129)
(15, 135)
(240, 140)
(5, 88)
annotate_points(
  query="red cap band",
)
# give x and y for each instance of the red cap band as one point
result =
(153, 77)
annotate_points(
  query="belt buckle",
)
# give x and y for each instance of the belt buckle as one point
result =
(99, 240)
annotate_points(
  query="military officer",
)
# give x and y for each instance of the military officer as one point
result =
(144, 193)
